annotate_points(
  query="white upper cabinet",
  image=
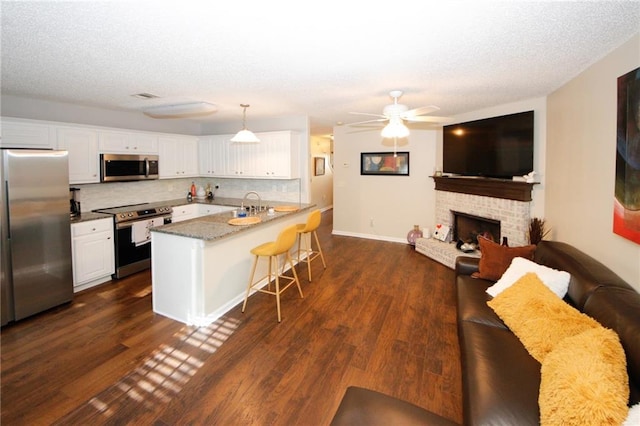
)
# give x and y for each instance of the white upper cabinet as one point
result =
(213, 154)
(82, 145)
(128, 142)
(276, 156)
(24, 134)
(243, 159)
(178, 156)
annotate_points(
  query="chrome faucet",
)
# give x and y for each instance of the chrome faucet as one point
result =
(246, 196)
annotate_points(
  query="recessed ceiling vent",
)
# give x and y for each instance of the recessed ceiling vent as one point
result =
(145, 96)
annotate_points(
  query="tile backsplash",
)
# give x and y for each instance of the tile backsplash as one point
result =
(112, 194)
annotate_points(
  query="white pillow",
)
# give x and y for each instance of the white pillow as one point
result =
(633, 419)
(557, 281)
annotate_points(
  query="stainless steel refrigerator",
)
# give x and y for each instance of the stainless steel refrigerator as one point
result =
(35, 266)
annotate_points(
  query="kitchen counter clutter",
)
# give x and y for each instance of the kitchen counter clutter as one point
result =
(200, 267)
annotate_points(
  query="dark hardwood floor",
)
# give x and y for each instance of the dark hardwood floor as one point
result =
(380, 316)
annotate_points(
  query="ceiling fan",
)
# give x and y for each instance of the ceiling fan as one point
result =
(396, 114)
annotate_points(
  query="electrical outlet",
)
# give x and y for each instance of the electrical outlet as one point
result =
(371, 222)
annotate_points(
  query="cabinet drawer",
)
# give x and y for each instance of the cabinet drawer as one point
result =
(91, 227)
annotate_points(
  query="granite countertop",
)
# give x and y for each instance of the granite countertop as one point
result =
(218, 201)
(216, 226)
(87, 216)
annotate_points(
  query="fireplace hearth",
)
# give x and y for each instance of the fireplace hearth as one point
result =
(513, 217)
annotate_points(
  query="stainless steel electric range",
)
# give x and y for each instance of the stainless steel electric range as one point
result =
(132, 239)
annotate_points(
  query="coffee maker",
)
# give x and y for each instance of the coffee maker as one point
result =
(73, 201)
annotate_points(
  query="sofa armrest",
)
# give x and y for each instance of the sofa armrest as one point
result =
(361, 406)
(467, 265)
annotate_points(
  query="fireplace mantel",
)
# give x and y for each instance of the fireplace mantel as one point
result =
(497, 188)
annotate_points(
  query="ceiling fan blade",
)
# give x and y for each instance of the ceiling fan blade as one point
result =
(380, 120)
(368, 114)
(420, 111)
(429, 119)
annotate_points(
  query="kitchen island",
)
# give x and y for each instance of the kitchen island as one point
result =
(200, 267)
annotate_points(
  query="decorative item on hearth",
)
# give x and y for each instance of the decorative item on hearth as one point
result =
(537, 230)
(245, 135)
(441, 232)
(414, 234)
(465, 247)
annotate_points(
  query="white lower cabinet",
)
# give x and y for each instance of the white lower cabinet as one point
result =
(92, 249)
(191, 211)
(205, 209)
(185, 212)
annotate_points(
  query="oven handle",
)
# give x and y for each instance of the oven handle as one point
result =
(124, 225)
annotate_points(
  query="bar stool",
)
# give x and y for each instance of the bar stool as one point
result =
(272, 250)
(305, 230)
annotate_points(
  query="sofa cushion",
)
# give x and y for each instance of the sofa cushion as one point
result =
(500, 380)
(618, 308)
(537, 316)
(472, 302)
(584, 381)
(361, 406)
(557, 281)
(495, 258)
(587, 274)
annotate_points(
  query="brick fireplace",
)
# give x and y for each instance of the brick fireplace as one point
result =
(513, 217)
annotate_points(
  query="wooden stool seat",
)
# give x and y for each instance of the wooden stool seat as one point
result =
(304, 231)
(272, 250)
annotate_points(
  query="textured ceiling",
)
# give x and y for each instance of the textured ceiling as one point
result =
(295, 58)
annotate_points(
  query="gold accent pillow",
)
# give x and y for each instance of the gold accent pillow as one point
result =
(584, 381)
(538, 316)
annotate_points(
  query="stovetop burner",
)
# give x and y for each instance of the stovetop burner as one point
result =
(136, 211)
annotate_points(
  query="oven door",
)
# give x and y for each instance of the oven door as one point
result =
(131, 258)
(120, 167)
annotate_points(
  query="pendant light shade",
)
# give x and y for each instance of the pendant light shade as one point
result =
(245, 135)
(395, 129)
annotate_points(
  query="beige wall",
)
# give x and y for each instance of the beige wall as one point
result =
(321, 187)
(581, 135)
(382, 207)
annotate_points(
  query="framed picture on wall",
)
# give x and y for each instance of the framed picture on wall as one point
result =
(318, 166)
(384, 163)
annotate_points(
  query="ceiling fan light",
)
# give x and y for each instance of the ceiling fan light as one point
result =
(245, 135)
(395, 129)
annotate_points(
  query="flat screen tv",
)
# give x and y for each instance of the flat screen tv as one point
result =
(497, 147)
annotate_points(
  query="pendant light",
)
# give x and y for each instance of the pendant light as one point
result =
(244, 135)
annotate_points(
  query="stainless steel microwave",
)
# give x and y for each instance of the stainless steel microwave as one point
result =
(124, 167)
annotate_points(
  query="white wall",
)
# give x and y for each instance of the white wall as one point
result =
(581, 162)
(321, 186)
(393, 203)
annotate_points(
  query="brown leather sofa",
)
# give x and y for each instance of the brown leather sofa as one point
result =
(501, 381)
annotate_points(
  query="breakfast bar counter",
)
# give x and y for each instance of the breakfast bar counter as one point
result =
(200, 267)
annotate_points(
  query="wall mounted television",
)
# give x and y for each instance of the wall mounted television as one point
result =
(497, 147)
